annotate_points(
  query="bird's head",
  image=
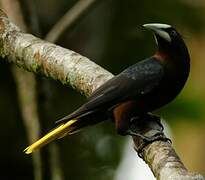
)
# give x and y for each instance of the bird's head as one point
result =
(166, 36)
(171, 46)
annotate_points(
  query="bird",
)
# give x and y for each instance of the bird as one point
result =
(139, 89)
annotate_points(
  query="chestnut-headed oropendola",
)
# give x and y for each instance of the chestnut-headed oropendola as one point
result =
(139, 89)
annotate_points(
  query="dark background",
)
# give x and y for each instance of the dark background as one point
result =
(111, 35)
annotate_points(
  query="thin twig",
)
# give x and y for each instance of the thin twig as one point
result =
(71, 17)
(33, 18)
(38, 56)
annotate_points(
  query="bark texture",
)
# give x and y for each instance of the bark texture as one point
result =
(39, 56)
(165, 163)
(71, 68)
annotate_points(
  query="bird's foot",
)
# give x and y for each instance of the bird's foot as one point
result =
(148, 117)
(150, 139)
(145, 130)
(145, 138)
(156, 119)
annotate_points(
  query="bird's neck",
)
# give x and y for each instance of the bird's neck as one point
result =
(179, 57)
(175, 60)
(174, 52)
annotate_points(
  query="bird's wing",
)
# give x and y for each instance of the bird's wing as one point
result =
(133, 82)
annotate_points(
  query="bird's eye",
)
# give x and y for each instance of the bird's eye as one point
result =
(173, 33)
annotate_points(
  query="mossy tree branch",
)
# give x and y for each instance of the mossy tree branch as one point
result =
(38, 56)
(70, 68)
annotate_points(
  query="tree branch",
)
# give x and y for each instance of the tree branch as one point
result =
(71, 68)
(39, 56)
(165, 163)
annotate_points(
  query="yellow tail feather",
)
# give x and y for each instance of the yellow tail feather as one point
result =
(56, 133)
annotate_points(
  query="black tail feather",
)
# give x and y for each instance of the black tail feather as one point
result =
(74, 115)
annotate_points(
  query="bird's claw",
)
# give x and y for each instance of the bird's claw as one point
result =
(156, 119)
(148, 140)
(143, 137)
(148, 128)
